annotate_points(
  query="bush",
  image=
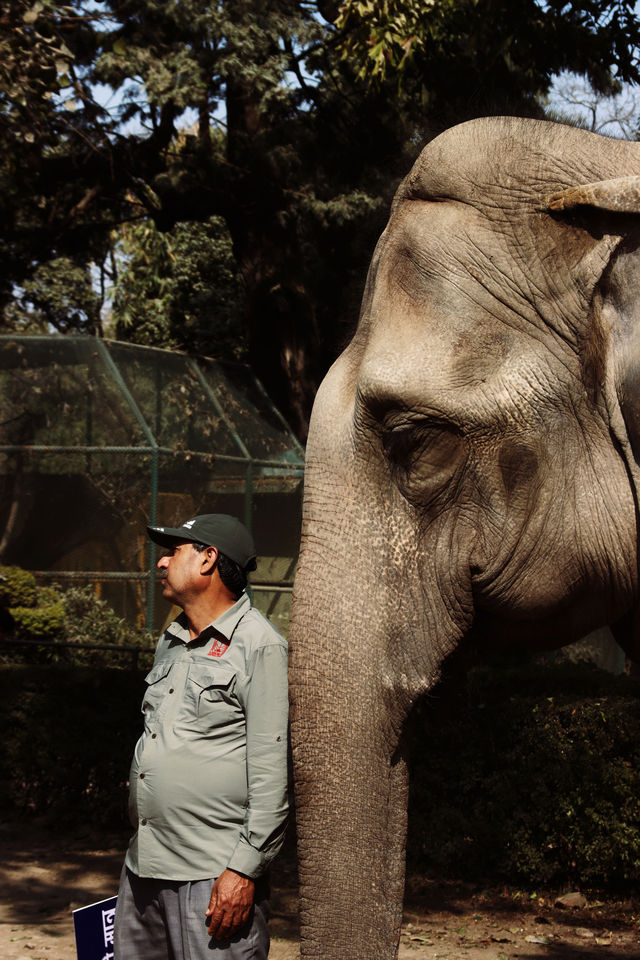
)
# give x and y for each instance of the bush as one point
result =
(34, 613)
(68, 737)
(18, 588)
(530, 776)
(91, 620)
(44, 622)
(76, 615)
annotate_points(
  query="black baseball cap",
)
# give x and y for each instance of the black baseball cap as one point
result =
(215, 530)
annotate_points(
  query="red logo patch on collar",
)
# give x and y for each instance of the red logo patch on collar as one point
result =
(218, 647)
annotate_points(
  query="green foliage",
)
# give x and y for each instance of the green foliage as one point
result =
(75, 616)
(69, 733)
(142, 294)
(290, 144)
(179, 289)
(48, 167)
(384, 38)
(18, 587)
(519, 46)
(37, 612)
(43, 622)
(531, 776)
(59, 295)
(89, 619)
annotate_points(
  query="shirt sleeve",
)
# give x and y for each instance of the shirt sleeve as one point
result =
(266, 713)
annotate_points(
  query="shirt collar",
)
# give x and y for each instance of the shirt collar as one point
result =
(225, 624)
(229, 620)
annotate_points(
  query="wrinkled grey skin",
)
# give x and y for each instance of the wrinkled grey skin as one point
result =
(471, 478)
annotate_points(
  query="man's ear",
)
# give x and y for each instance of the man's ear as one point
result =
(209, 560)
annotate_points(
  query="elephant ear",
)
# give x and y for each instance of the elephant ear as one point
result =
(616, 314)
(616, 196)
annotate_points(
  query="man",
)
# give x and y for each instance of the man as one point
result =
(208, 782)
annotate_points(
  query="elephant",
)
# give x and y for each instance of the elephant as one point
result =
(472, 479)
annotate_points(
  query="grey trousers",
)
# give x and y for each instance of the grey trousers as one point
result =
(165, 920)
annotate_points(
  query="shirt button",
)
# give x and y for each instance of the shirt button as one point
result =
(171, 691)
(143, 822)
(142, 776)
(153, 736)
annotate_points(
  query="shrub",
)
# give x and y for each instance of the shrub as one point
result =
(43, 622)
(37, 613)
(91, 620)
(68, 737)
(530, 776)
(76, 615)
(18, 588)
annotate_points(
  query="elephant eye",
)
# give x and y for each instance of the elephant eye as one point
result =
(423, 457)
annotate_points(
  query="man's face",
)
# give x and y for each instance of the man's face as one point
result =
(182, 572)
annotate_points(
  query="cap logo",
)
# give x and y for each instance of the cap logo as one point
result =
(188, 524)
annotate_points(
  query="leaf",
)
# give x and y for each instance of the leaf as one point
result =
(33, 13)
(376, 51)
(63, 51)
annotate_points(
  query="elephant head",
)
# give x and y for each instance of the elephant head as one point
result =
(471, 478)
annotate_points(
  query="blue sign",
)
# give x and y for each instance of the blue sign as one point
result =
(93, 926)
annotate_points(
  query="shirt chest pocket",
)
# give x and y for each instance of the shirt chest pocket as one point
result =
(158, 682)
(214, 693)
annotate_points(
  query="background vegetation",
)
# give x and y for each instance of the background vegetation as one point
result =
(529, 777)
(525, 773)
(66, 622)
(69, 734)
(213, 176)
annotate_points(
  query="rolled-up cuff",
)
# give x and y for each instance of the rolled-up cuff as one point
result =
(247, 860)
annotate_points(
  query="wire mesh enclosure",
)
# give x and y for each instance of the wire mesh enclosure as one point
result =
(100, 438)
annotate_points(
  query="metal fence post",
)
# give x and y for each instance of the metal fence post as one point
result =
(151, 440)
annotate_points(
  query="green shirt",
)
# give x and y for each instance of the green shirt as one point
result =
(208, 782)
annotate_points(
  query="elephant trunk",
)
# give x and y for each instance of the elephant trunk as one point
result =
(359, 660)
(351, 802)
(349, 761)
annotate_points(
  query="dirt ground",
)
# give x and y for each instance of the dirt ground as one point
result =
(45, 875)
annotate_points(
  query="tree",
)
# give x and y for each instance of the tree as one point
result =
(574, 99)
(60, 294)
(49, 129)
(179, 288)
(470, 57)
(293, 142)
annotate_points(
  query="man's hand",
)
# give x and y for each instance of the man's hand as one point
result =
(230, 904)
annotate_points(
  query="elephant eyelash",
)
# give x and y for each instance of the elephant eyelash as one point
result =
(401, 443)
(423, 458)
(402, 435)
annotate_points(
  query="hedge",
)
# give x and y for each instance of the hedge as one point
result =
(75, 616)
(69, 733)
(530, 775)
(527, 775)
